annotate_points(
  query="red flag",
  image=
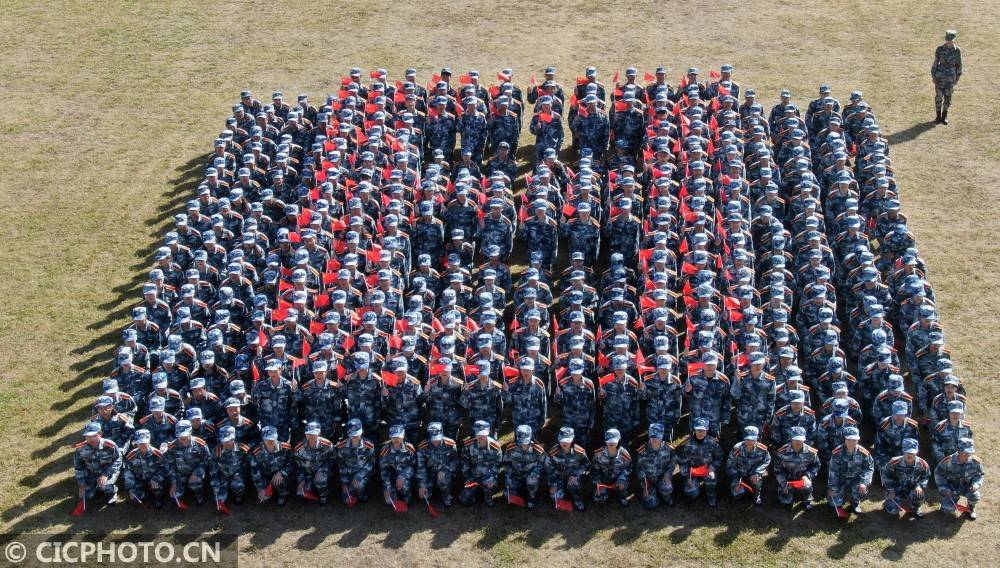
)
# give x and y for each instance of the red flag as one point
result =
(700, 471)
(282, 312)
(472, 485)
(607, 379)
(264, 339)
(746, 486)
(400, 506)
(841, 512)
(568, 210)
(504, 78)
(606, 486)
(534, 81)
(515, 500)
(305, 217)
(618, 76)
(649, 77)
(181, 504)
(390, 379)
(581, 81)
(351, 500)
(223, 508)
(564, 505)
(510, 371)
(545, 116)
(80, 509)
(797, 484)
(465, 80)
(310, 495)
(430, 508)
(714, 74)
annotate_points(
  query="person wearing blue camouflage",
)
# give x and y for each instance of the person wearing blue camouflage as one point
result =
(314, 460)
(656, 461)
(523, 465)
(145, 471)
(905, 478)
(271, 466)
(960, 475)
(355, 459)
(481, 459)
(97, 463)
(397, 465)
(700, 460)
(747, 466)
(849, 474)
(796, 467)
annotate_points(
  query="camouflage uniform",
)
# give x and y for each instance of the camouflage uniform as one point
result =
(901, 480)
(314, 465)
(849, 475)
(523, 465)
(146, 474)
(946, 71)
(265, 463)
(615, 470)
(793, 465)
(655, 469)
(92, 462)
(481, 468)
(746, 461)
(229, 471)
(436, 466)
(956, 479)
(565, 472)
(397, 466)
(355, 464)
(695, 453)
(188, 464)
(579, 407)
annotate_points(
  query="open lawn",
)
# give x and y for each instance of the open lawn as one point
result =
(113, 105)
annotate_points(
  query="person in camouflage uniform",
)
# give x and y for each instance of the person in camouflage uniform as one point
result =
(275, 398)
(97, 463)
(796, 467)
(272, 466)
(905, 478)
(363, 392)
(747, 466)
(662, 393)
(960, 475)
(397, 463)
(567, 465)
(850, 472)
(321, 400)
(946, 71)
(437, 463)
(145, 471)
(188, 461)
(592, 128)
(313, 459)
(656, 461)
(444, 393)
(583, 234)
(523, 465)
(700, 461)
(891, 433)
(754, 393)
(230, 467)
(540, 233)
(483, 399)
(577, 396)
(611, 469)
(355, 457)
(481, 458)
(526, 397)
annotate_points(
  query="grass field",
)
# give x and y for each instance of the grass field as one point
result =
(112, 106)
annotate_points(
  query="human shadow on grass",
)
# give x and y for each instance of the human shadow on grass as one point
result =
(910, 133)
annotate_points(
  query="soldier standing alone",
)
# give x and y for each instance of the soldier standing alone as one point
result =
(946, 72)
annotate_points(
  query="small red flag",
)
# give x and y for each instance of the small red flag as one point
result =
(607, 379)
(568, 210)
(797, 484)
(465, 80)
(700, 471)
(841, 512)
(714, 74)
(534, 81)
(223, 508)
(390, 379)
(269, 491)
(80, 509)
(400, 506)
(649, 77)
(181, 504)
(618, 76)
(564, 505)
(515, 500)
(310, 495)
(545, 116)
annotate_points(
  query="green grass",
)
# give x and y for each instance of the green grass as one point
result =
(111, 108)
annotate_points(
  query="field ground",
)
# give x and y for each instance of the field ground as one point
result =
(112, 107)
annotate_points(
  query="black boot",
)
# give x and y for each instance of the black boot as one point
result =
(937, 119)
(944, 117)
